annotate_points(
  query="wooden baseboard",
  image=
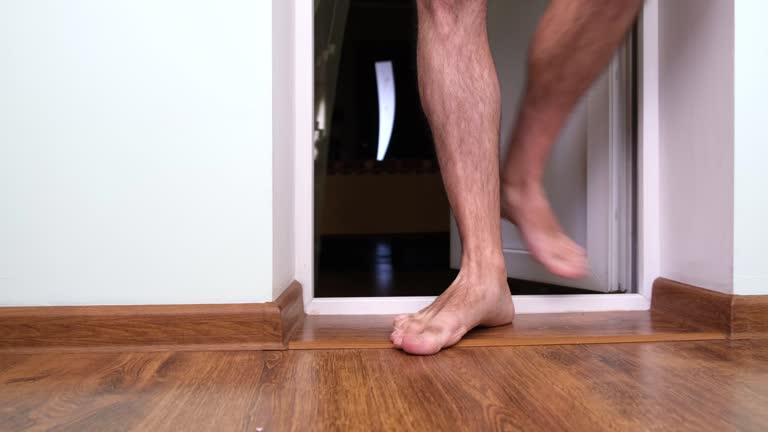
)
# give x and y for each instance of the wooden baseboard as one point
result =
(692, 304)
(265, 326)
(291, 306)
(739, 316)
(270, 326)
(749, 317)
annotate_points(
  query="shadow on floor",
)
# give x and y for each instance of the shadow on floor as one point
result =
(398, 265)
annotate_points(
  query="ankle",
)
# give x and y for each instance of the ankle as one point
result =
(483, 263)
(522, 192)
(521, 185)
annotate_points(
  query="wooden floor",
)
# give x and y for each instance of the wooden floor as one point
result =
(676, 386)
(334, 332)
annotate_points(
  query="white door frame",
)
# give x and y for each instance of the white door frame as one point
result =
(647, 201)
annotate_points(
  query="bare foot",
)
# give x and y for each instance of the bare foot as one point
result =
(477, 297)
(528, 208)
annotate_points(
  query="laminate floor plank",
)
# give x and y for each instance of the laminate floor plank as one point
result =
(677, 386)
(357, 331)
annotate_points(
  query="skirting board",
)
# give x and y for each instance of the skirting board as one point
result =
(265, 326)
(739, 316)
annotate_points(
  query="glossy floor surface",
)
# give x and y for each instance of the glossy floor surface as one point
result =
(372, 331)
(675, 386)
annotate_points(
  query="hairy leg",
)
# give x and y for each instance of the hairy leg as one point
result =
(460, 95)
(573, 43)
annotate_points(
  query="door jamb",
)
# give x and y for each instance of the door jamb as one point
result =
(648, 217)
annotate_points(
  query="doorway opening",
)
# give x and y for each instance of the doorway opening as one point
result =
(382, 220)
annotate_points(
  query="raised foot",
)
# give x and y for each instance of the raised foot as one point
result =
(471, 301)
(529, 209)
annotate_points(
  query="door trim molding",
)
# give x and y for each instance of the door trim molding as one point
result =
(524, 304)
(648, 219)
(303, 152)
(648, 264)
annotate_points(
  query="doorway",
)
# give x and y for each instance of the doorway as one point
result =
(382, 224)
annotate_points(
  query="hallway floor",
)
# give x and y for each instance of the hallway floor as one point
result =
(399, 265)
(698, 386)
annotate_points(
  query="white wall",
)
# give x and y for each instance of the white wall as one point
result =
(283, 145)
(135, 152)
(696, 141)
(751, 152)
